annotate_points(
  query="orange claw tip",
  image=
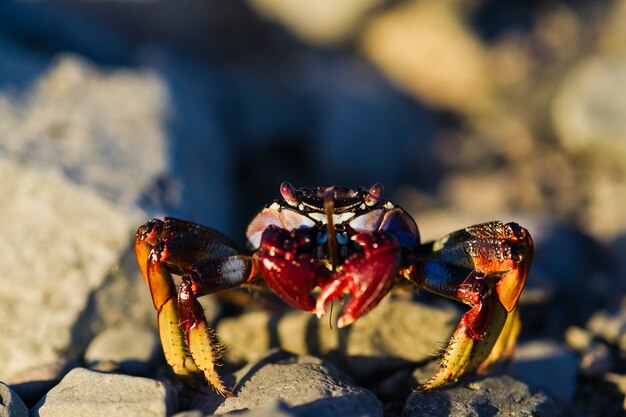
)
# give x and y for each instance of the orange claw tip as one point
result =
(344, 321)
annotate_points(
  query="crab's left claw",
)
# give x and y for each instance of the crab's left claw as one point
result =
(368, 276)
(498, 258)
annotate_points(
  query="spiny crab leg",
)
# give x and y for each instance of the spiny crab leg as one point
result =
(484, 266)
(207, 264)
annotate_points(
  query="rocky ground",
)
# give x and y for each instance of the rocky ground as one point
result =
(113, 112)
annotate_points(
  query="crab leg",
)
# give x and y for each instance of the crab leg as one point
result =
(484, 266)
(208, 264)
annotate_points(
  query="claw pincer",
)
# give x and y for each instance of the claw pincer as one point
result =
(317, 245)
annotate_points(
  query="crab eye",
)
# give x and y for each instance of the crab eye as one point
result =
(374, 194)
(289, 193)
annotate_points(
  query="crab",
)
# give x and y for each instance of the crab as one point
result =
(317, 245)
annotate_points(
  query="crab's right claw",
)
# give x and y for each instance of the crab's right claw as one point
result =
(367, 276)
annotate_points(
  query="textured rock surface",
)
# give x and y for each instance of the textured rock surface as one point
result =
(61, 264)
(87, 393)
(132, 349)
(493, 396)
(545, 365)
(304, 384)
(11, 404)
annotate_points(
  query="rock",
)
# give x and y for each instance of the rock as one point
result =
(319, 22)
(610, 327)
(492, 396)
(74, 243)
(590, 106)
(596, 360)
(578, 338)
(88, 393)
(547, 366)
(104, 131)
(427, 50)
(304, 384)
(11, 404)
(32, 384)
(132, 349)
(80, 149)
(396, 332)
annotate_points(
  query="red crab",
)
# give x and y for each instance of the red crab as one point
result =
(317, 244)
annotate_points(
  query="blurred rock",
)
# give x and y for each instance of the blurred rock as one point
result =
(589, 110)
(10, 403)
(545, 365)
(491, 396)
(71, 244)
(428, 50)
(304, 384)
(131, 349)
(33, 383)
(319, 22)
(87, 393)
(397, 331)
(578, 338)
(610, 327)
(104, 131)
(596, 360)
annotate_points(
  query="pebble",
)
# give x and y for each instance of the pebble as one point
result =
(11, 404)
(132, 349)
(305, 385)
(88, 393)
(491, 396)
(545, 365)
(596, 360)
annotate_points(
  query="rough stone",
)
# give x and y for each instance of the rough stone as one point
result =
(304, 384)
(547, 366)
(130, 348)
(88, 393)
(10, 403)
(61, 263)
(32, 384)
(396, 332)
(494, 396)
(104, 131)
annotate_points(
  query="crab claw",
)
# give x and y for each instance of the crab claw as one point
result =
(367, 276)
(290, 274)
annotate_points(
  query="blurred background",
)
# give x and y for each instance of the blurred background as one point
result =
(112, 111)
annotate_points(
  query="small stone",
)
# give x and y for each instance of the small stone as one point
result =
(11, 404)
(492, 396)
(545, 365)
(596, 360)
(134, 349)
(578, 338)
(607, 326)
(87, 393)
(304, 384)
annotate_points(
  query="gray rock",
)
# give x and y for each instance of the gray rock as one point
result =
(10, 403)
(131, 348)
(33, 383)
(73, 242)
(397, 331)
(79, 149)
(304, 384)
(547, 366)
(596, 360)
(88, 393)
(494, 396)
(104, 131)
(609, 326)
